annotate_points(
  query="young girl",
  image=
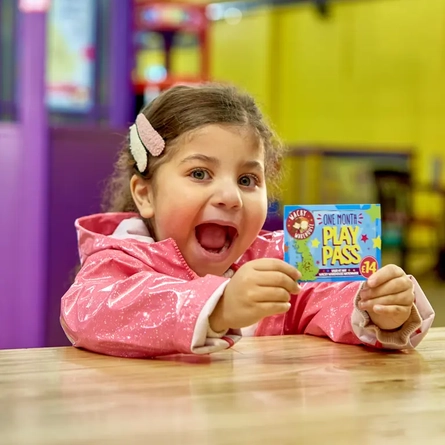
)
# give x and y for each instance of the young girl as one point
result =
(179, 264)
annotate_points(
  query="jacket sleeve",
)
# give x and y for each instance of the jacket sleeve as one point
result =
(331, 310)
(117, 306)
(408, 336)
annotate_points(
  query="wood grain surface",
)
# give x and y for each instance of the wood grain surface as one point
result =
(269, 390)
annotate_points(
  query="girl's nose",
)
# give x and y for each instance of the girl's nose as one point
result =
(227, 195)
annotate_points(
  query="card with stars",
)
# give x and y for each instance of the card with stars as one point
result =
(333, 242)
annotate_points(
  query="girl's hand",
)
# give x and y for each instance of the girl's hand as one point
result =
(259, 288)
(388, 297)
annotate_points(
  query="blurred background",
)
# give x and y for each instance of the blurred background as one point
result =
(355, 89)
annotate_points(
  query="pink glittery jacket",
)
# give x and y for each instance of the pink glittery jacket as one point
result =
(134, 297)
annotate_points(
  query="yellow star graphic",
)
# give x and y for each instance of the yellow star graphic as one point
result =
(373, 212)
(315, 243)
(377, 243)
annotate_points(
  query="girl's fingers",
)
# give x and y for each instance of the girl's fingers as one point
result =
(386, 273)
(400, 299)
(278, 280)
(391, 310)
(392, 287)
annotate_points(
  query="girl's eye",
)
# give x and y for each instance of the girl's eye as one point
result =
(200, 174)
(248, 181)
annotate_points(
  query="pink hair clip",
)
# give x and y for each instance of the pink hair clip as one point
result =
(144, 138)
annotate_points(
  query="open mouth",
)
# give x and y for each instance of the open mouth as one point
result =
(215, 238)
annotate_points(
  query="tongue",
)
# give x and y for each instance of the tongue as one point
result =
(211, 236)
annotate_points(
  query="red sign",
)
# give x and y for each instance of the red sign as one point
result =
(368, 266)
(300, 224)
(34, 5)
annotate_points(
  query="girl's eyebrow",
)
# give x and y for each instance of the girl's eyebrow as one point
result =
(253, 165)
(202, 158)
(250, 165)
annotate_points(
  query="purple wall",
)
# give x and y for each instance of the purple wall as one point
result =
(32, 193)
(23, 181)
(121, 63)
(80, 160)
(48, 178)
(9, 214)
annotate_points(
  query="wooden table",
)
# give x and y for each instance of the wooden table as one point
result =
(270, 390)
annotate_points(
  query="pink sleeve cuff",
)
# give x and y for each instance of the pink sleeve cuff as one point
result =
(205, 340)
(408, 336)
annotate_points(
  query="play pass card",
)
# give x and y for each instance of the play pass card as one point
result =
(333, 242)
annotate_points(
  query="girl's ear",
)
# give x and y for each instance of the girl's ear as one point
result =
(142, 193)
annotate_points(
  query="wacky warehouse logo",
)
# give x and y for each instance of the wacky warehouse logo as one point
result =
(300, 224)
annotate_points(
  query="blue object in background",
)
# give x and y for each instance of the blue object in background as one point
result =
(274, 220)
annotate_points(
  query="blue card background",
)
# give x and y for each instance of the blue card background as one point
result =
(370, 228)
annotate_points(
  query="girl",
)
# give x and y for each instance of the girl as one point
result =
(179, 263)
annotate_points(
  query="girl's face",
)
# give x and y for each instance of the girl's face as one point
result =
(211, 197)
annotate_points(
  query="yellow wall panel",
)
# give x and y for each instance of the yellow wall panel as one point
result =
(241, 54)
(372, 74)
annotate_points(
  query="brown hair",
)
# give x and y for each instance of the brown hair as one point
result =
(185, 108)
